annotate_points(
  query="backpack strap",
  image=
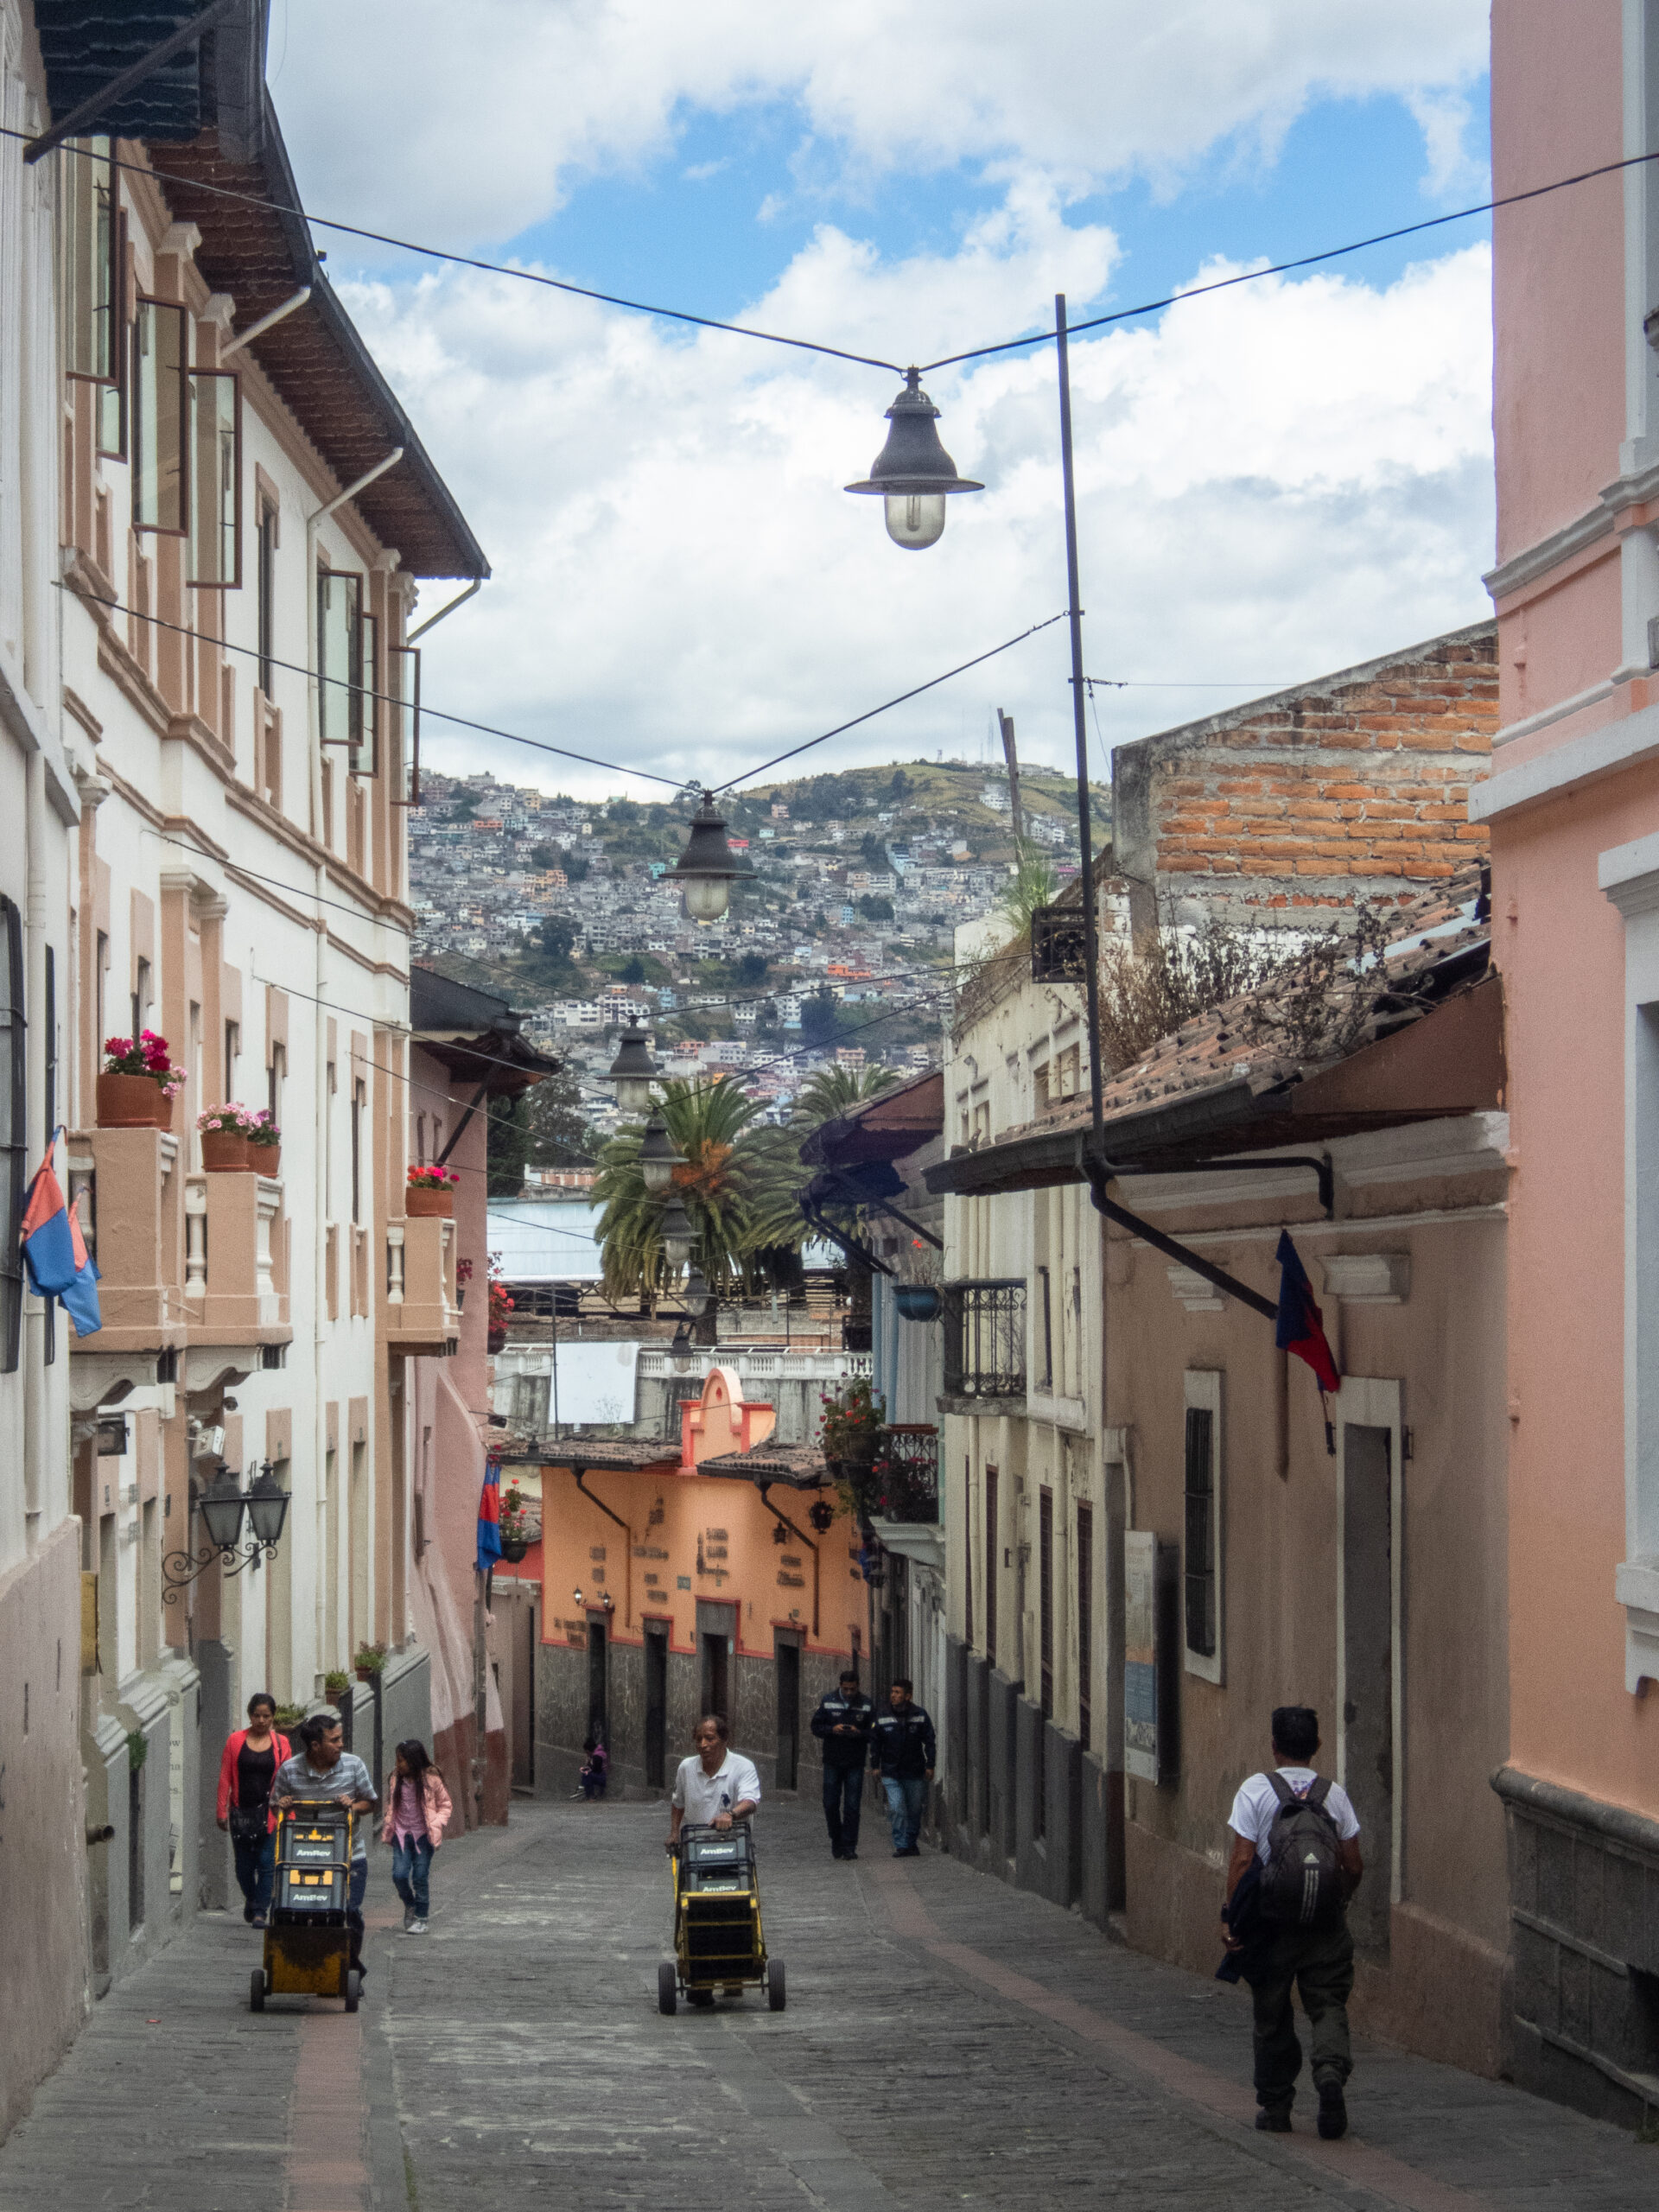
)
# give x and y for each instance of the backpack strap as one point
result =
(1282, 1791)
(1319, 1793)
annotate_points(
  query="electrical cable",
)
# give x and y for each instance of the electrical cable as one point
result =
(293, 890)
(541, 745)
(471, 261)
(835, 353)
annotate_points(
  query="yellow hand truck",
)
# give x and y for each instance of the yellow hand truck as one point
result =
(719, 1943)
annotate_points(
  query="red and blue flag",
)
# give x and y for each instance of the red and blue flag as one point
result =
(1300, 1325)
(56, 1254)
(489, 1519)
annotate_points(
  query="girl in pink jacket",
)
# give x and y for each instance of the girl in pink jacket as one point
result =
(417, 1812)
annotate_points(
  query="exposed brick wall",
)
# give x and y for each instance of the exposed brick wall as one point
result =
(1355, 787)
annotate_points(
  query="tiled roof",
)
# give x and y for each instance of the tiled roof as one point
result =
(800, 1466)
(1237, 1066)
(620, 1454)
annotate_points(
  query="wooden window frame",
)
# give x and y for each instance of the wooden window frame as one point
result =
(136, 417)
(408, 755)
(192, 378)
(1203, 1517)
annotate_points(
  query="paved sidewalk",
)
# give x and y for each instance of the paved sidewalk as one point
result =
(947, 2041)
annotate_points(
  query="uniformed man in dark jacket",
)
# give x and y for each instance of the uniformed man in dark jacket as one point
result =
(842, 1724)
(903, 1744)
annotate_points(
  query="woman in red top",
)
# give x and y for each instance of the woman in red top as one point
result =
(246, 1771)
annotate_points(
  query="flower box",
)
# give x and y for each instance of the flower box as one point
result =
(133, 1101)
(423, 1202)
(227, 1151)
(496, 1340)
(265, 1159)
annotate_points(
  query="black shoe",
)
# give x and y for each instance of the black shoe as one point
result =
(849, 1854)
(1274, 2119)
(1333, 2111)
(247, 1914)
(835, 1852)
(912, 1851)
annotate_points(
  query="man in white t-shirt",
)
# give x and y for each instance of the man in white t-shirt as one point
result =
(716, 1785)
(1274, 1958)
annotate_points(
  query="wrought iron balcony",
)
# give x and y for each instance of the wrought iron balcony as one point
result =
(985, 1339)
(905, 1480)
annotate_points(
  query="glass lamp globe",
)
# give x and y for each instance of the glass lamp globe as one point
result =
(706, 898)
(915, 519)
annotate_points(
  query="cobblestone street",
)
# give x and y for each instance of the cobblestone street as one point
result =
(947, 2041)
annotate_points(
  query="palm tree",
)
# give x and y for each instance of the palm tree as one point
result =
(732, 1181)
(834, 1091)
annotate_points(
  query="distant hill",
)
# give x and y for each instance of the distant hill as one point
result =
(948, 789)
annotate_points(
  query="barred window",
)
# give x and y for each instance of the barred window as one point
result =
(13, 1134)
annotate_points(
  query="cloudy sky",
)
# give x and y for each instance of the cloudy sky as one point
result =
(1273, 481)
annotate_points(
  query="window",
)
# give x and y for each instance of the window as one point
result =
(1085, 1621)
(985, 1339)
(141, 997)
(364, 758)
(51, 980)
(403, 684)
(274, 1077)
(968, 1578)
(91, 270)
(214, 562)
(992, 1562)
(233, 1054)
(1048, 1332)
(100, 969)
(265, 592)
(340, 658)
(1202, 1557)
(13, 1134)
(160, 419)
(1046, 1600)
(359, 1098)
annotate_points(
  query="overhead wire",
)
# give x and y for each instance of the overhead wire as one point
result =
(837, 353)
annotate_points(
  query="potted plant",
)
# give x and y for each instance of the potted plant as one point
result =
(500, 1307)
(917, 1301)
(336, 1684)
(463, 1276)
(431, 1193)
(138, 1083)
(370, 1661)
(224, 1133)
(518, 1532)
(264, 1143)
(849, 1434)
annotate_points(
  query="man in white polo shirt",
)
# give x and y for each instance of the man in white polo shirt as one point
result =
(1316, 1959)
(716, 1785)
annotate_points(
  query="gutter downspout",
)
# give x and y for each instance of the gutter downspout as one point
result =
(443, 612)
(627, 1564)
(320, 982)
(766, 1500)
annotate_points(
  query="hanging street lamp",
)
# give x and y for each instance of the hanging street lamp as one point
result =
(223, 1506)
(677, 1233)
(633, 1071)
(913, 472)
(707, 869)
(659, 1154)
(267, 1508)
(697, 1296)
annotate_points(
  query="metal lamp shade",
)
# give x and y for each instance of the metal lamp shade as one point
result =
(913, 472)
(267, 1508)
(633, 1071)
(658, 1156)
(696, 1294)
(221, 1506)
(707, 869)
(677, 1233)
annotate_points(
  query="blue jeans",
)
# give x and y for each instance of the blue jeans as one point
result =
(906, 1801)
(411, 1857)
(256, 1869)
(843, 1793)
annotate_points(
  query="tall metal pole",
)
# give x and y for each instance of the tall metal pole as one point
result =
(1090, 923)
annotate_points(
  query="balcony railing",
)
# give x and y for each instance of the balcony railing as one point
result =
(129, 1185)
(985, 1339)
(422, 1313)
(905, 1484)
(235, 1259)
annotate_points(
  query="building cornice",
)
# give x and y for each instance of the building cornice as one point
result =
(1604, 751)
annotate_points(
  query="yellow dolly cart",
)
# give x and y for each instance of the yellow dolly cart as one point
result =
(718, 1940)
(307, 1943)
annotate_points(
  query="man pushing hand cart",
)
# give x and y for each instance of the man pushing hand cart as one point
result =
(718, 1941)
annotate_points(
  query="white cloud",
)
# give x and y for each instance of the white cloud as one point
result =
(458, 126)
(1274, 481)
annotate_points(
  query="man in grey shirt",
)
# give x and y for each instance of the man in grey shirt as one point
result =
(324, 1768)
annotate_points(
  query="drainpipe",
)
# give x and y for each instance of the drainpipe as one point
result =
(627, 1556)
(320, 982)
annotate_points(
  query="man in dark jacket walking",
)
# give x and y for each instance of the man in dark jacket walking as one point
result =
(842, 1724)
(904, 1747)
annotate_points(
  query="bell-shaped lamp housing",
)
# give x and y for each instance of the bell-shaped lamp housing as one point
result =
(221, 1506)
(697, 1294)
(707, 869)
(267, 1507)
(658, 1156)
(913, 473)
(677, 1233)
(633, 1071)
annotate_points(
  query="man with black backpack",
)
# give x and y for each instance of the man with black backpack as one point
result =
(1295, 1863)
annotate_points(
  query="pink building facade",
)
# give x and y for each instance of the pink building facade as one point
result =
(1572, 806)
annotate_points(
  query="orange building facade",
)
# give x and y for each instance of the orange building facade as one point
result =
(674, 1582)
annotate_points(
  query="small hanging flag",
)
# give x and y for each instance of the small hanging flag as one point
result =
(489, 1519)
(1300, 1326)
(54, 1251)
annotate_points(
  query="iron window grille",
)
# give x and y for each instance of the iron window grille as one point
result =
(1059, 947)
(1200, 1531)
(985, 1339)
